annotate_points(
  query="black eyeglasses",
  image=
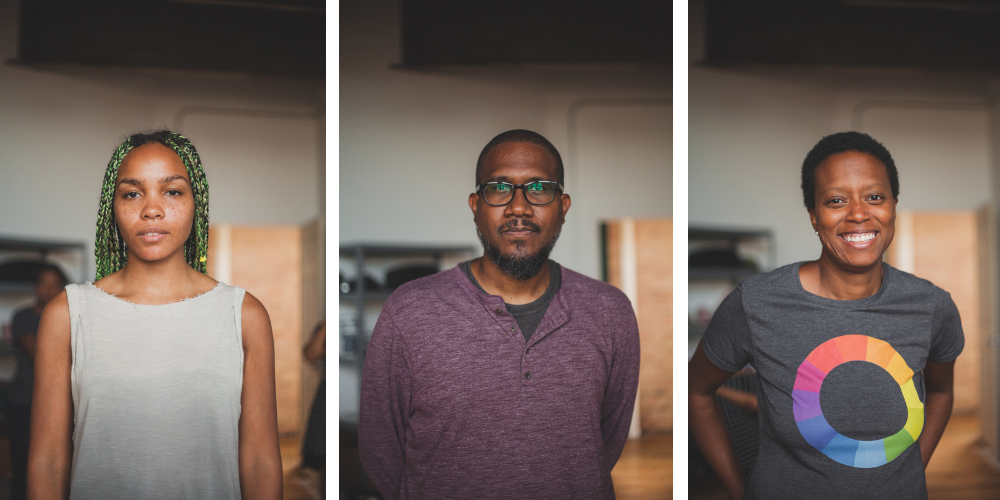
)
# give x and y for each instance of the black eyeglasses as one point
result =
(537, 193)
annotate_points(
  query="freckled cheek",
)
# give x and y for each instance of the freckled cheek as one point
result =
(125, 216)
(185, 213)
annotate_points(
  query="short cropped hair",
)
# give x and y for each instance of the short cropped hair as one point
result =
(48, 267)
(842, 142)
(521, 135)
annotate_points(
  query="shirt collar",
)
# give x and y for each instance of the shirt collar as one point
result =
(555, 316)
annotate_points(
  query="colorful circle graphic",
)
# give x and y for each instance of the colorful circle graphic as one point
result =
(809, 415)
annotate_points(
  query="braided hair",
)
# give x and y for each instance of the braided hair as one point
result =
(109, 248)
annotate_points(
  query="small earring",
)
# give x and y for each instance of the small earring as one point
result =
(817, 233)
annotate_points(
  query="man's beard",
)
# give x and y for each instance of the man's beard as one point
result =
(519, 268)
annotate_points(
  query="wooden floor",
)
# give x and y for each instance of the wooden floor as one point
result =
(959, 470)
(646, 469)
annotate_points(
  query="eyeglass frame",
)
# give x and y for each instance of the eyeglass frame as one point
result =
(480, 187)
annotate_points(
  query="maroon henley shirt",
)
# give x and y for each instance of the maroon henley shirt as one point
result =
(455, 404)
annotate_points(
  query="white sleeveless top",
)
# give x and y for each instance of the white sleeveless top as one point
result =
(156, 395)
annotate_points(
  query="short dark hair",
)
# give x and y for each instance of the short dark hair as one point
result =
(842, 142)
(49, 267)
(521, 135)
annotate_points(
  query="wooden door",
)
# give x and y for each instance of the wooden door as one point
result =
(639, 261)
(944, 247)
(267, 262)
(990, 357)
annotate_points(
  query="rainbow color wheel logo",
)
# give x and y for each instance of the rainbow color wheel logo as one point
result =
(809, 414)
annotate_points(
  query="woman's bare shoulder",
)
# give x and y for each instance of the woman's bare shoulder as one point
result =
(55, 322)
(59, 305)
(256, 322)
(253, 308)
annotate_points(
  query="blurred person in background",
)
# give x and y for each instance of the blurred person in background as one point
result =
(314, 442)
(48, 283)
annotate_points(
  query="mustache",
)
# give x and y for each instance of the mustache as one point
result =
(519, 223)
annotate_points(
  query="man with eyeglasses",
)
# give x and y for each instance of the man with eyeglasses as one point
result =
(508, 376)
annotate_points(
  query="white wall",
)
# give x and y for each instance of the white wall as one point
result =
(409, 139)
(751, 129)
(58, 129)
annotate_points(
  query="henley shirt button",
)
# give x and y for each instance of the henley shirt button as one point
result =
(527, 374)
(499, 312)
(513, 328)
(526, 351)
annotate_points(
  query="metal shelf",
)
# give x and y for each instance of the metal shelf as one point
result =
(12, 287)
(376, 295)
(384, 250)
(719, 273)
(720, 233)
(733, 237)
(360, 297)
(43, 248)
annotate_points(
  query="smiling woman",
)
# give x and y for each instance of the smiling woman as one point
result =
(854, 215)
(155, 380)
(822, 336)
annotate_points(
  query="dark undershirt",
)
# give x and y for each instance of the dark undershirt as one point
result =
(529, 315)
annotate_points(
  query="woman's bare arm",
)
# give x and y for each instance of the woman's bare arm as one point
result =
(939, 381)
(260, 457)
(707, 424)
(51, 440)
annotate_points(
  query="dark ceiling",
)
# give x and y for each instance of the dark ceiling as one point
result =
(480, 32)
(956, 35)
(261, 37)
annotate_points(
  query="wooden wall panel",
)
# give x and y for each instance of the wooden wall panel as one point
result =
(267, 262)
(653, 301)
(654, 251)
(989, 375)
(943, 247)
(613, 252)
(313, 305)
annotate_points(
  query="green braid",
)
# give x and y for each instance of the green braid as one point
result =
(109, 248)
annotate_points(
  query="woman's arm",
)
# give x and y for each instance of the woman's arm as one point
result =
(51, 439)
(707, 424)
(316, 347)
(260, 457)
(938, 379)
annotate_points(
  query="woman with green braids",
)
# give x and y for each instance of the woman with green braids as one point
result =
(155, 381)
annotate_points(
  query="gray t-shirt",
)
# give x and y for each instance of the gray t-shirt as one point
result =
(842, 392)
